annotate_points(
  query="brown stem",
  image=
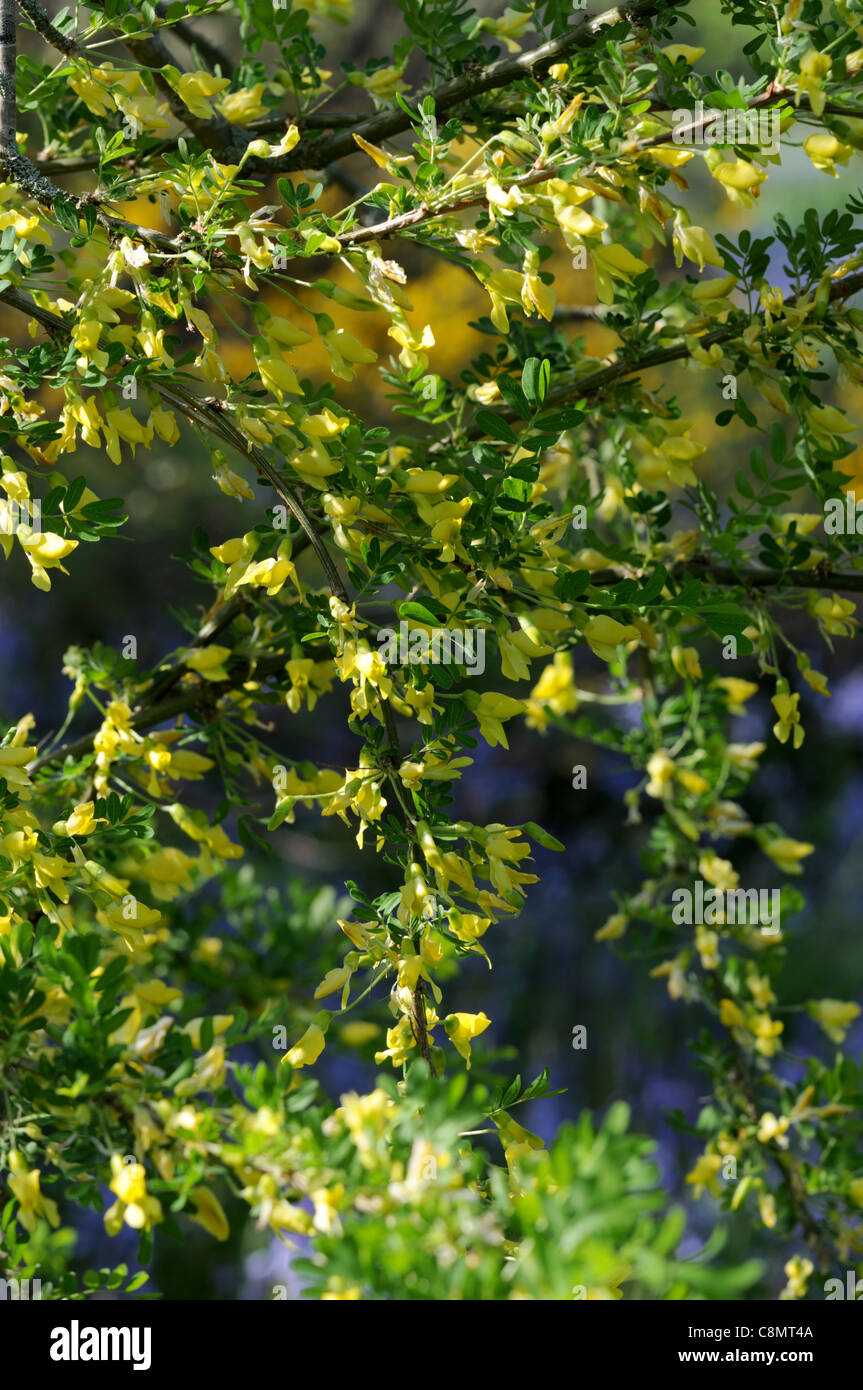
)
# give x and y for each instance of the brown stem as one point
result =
(315, 154)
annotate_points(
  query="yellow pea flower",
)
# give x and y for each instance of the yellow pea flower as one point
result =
(24, 1184)
(604, 635)
(770, 1128)
(704, 1177)
(80, 822)
(674, 51)
(787, 853)
(613, 928)
(209, 662)
(194, 87)
(462, 1029)
(610, 263)
(685, 662)
(696, 244)
(788, 723)
(833, 1015)
(814, 67)
(826, 151)
(308, 1049)
(491, 709)
(209, 1213)
(134, 1206)
(244, 106)
(45, 550)
(660, 771)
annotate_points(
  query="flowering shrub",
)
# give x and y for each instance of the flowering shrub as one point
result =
(188, 249)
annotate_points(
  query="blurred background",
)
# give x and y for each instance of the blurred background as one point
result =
(549, 974)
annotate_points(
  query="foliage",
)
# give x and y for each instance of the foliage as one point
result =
(541, 500)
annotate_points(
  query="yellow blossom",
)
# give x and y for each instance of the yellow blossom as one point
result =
(833, 1015)
(787, 853)
(462, 1029)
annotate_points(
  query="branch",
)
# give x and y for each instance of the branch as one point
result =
(50, 33)
(17, 168)
(391, 762)
(533, 66)
(209, 51)
(214, 132)
(606, 376)
(8, 107)
(147, 716)
(211, 419)
(747, 578)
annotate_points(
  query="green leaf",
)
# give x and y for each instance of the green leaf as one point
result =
(495, 426)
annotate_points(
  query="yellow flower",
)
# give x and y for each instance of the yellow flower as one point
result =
(345, 352)
(612, 263)
(766, 1032)
(209, 1213)
(692, 781)
(814, 67)
(720, 872)
(730, 1014)
(509, 27)
(834, 1016)
(787, 853)
(798, 1271)
(383, 84)
(24, 1185)
(769, 1128)
(194, 87)
(491, 709)
(674, 51)
(696, 244)
(788, 723)
(230, 483)
(744, 756)
(244, 106)
(13, 761)
(81, 821)
(834, 615)
(660, 771)
(462, 1028)
(308, 1049)
(209, 662)
(613, 928)
(714, 289)
(278, 376)
(338, 978)
(705, 1175)
(685, 662)
(738, 177)
(134, 1206)
(826, 150)
(604, 635)
(45, 550)
(737, 691)
(767, 1209)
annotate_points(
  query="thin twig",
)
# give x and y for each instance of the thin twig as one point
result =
(212, 420)
(316, 154)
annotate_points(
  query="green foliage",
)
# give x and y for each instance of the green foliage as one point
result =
(158, 1002)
